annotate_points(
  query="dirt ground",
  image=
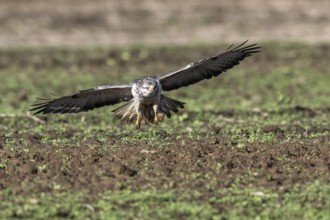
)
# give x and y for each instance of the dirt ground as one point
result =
(274, 165)
(81, 22)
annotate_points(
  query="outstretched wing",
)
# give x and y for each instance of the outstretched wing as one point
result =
(85, 100)
(207, 68)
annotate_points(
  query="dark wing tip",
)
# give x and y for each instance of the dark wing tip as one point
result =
(38, 108)
(53, 106)
(248, 50)
(240, 45)
(42, 108)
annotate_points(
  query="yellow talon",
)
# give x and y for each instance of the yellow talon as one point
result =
(156, 120)
(138, 120)
(137, 125)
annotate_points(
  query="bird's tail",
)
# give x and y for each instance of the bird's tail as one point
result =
(167, 105)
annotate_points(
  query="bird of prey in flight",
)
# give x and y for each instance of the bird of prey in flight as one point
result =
(145, 101)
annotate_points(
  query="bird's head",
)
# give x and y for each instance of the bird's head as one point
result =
(149, 88)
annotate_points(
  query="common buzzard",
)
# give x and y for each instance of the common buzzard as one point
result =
(144, 97)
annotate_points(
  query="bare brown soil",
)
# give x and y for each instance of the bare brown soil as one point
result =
(277, 165)
(81, 22)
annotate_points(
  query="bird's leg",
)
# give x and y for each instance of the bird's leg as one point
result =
(156, 121)
(138, 120)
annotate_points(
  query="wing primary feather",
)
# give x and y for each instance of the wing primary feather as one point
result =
(240, 45)
(43, 99)
(230, 46)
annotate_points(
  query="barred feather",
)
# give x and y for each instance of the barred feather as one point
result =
(128, 113)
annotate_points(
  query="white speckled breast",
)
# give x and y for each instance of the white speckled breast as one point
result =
(139, 95)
